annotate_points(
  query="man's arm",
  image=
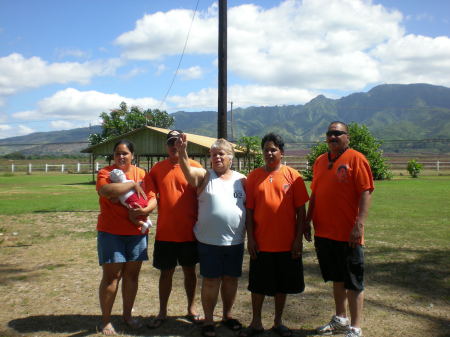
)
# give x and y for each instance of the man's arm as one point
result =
(309, 216)
(252, 246)
(297, 246)
(357, 232)
(194, 175)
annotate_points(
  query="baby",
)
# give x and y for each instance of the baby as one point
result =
(131, 198)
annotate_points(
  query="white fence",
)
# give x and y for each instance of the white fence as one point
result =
(437, 166)
(47, 168)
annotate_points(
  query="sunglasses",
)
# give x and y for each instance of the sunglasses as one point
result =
(171, 141)
(335, 133)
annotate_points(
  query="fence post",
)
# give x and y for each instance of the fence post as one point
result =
(437, 165)
(78, 167)
(96, 166)
(29, 168)
(62, 168)
(46, 168)
(12, 168)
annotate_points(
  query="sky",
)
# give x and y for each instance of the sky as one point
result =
(62, 63)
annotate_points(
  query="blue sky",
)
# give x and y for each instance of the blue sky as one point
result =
(64, 62)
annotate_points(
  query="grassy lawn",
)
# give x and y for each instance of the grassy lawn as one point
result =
(49, 273)
(47, 193)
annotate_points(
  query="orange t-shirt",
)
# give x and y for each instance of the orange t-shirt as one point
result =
(274, 198)
(177, 201)
(113, 217)
(337, 192)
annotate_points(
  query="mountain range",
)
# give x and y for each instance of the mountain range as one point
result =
(390, 111)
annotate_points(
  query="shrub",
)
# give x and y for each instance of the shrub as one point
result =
(360, 140)
(414, 168)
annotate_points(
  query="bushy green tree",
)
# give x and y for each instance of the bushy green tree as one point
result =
(361, 140)
(414, 168)
(251, 146)
(123, 120)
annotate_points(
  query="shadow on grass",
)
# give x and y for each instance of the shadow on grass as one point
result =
(423, 272)
(10, 274)
(86, 325)
(75, 184)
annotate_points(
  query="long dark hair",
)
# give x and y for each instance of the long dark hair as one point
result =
(125, 142)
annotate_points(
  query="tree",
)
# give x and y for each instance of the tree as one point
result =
(122, 120)
(251, 146)
(361, 140)
(414, 168)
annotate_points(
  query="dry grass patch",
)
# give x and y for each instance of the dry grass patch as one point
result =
(49, 278)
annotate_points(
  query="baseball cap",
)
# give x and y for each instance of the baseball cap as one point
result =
(173, 135)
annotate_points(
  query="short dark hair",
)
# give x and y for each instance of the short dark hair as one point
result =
(339, 122)
(276, 139)
(125, 142)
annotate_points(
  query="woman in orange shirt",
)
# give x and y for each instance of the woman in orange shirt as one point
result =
(121, 245)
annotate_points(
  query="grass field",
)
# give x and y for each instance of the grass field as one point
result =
(49, 273)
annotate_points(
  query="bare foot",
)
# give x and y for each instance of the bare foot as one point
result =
(108, 330)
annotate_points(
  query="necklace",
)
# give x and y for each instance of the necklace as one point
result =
(332, 160)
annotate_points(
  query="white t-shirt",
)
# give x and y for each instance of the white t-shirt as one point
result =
(221, 211)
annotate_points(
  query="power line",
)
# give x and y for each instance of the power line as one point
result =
(181, 58)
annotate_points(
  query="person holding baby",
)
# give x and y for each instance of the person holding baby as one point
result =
(121, 244)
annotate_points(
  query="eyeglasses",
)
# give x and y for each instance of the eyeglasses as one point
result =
(171, 141)
(335, 133)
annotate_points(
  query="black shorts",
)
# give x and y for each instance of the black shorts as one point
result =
(272, 273)
(167, 254)
(341, 263)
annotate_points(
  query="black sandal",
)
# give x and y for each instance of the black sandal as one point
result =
(232, 324)
(208, 331)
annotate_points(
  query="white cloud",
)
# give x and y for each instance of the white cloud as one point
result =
(191, 73)
(18, 73)
(161, 34)
(134, 72)
(74, 105)
(7, 131)
(297, 43)
(62, 125)
(160, 69)
(243, 96)
(415, 59)
(68, 52)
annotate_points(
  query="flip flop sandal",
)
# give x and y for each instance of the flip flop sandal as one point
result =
(232, 324)
(156, 323)
(250, 331)
(282, 331)
(195, 319)
(208, 331)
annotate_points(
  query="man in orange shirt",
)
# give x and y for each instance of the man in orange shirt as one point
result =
(175, 241)
(276, 197)
(341, 191)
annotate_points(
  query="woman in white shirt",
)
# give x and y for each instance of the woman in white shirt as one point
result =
(220, 229)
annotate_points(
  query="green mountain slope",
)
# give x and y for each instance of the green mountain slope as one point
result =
(391, 111)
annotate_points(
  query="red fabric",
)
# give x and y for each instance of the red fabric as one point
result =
(337, 192)
(274, 198)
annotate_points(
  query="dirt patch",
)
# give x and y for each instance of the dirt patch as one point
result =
(49, 278)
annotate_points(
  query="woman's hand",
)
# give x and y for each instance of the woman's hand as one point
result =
(140, 191)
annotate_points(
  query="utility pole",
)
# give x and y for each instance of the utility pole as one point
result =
(222, 85)
(231, 121)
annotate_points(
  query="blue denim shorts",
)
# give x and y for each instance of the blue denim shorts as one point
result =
(114, 248)
(218, 261)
